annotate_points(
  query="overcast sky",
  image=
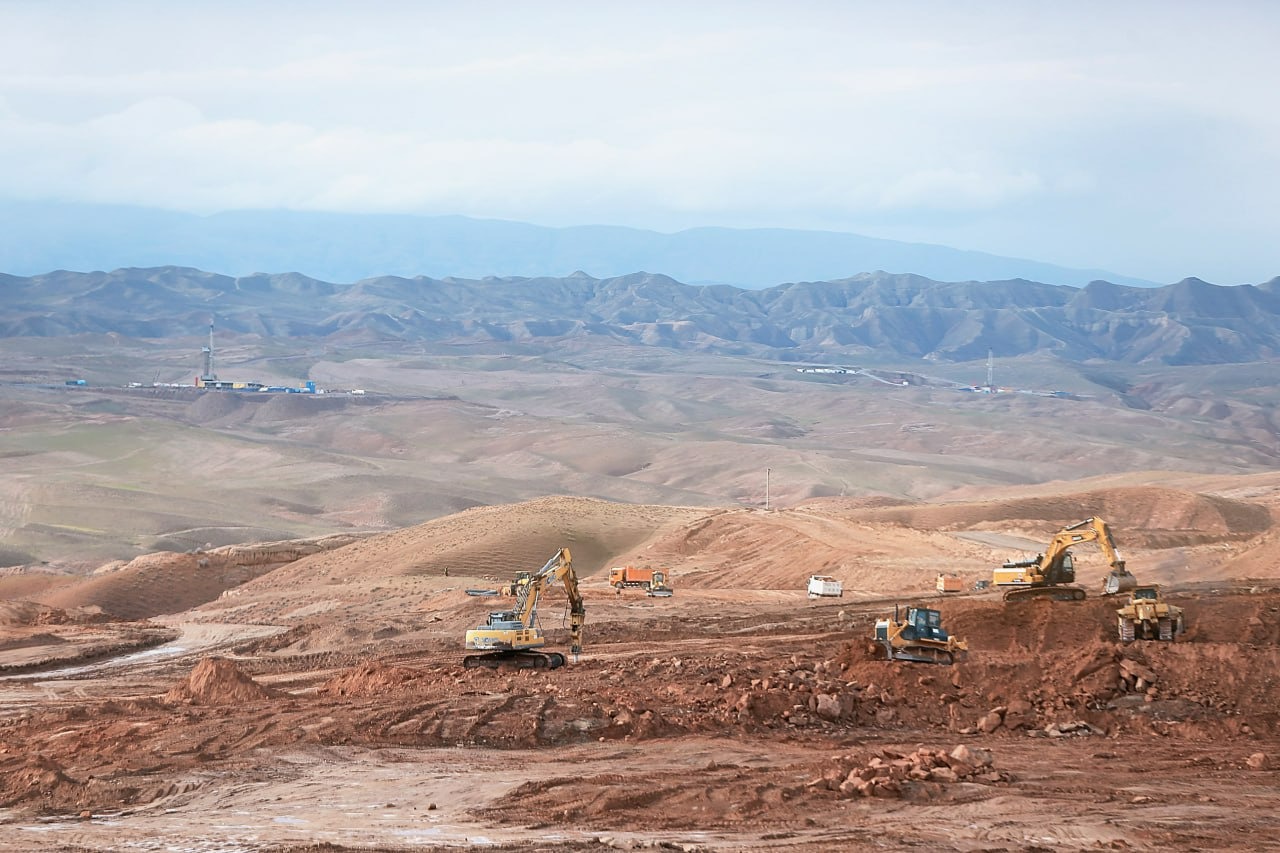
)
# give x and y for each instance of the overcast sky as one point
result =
(1138, 137)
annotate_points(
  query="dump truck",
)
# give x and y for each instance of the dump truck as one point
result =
(949, 583)
(918, 638)
(1148, 616)
(652, 581)
(825, 586)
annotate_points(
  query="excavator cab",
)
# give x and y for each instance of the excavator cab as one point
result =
(504, 620)
(1064, 571)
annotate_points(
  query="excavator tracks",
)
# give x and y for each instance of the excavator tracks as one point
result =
(1041, 593)
(514, 660)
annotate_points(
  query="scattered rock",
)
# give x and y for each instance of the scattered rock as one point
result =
(893, 775)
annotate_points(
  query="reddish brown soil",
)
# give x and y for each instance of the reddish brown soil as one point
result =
(323, 706)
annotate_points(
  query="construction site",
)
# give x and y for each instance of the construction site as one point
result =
(347, 693)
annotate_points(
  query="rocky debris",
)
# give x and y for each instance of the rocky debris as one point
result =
(1258, 761)
(802, 694)
(31, 613)
(1136, 677)
(217, 681)
(1074, 728)
(894, 775)
(1017, 715)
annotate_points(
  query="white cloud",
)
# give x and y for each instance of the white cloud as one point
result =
(1065, 133)
(950, 189)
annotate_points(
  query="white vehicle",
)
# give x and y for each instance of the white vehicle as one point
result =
(825, 586)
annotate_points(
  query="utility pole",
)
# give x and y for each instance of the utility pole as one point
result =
(767, 474)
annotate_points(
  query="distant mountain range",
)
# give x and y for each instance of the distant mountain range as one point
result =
(39, 237)
(908, 316)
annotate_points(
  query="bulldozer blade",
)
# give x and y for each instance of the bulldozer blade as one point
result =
(921, 654)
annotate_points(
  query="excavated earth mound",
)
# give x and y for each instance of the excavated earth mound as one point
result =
(168, 582)
(1144, 517)
(217, 681)
(371, 679)
(24, 613)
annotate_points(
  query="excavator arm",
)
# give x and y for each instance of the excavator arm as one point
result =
(513, 635)
(558, 568)
(1090, 530)
(1053, 567)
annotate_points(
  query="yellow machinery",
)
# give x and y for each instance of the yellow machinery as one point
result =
(1148, 616)
(511, 637)
(919, 638)
(517, 583)
(1048, 575)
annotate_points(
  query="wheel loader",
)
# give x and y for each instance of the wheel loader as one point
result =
(1148, 616)
(919, 638)
(517, 583)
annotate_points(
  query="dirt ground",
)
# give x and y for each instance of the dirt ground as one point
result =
(321, 704)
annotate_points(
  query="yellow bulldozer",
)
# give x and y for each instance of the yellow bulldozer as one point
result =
(919, 638)
(1148, 616)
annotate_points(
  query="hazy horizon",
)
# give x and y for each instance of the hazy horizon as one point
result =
(1138, 138)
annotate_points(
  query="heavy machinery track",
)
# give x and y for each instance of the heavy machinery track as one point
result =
(514, 660)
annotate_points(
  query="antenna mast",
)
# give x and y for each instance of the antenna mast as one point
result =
(208, 375)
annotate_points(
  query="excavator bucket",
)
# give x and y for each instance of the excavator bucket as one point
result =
(1118, 581)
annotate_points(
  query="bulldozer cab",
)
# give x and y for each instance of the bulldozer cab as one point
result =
(924, 624)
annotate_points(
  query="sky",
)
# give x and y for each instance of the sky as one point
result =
(1138, 137)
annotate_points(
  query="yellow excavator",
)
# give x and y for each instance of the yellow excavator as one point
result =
(512, 637)
(1048, 576)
